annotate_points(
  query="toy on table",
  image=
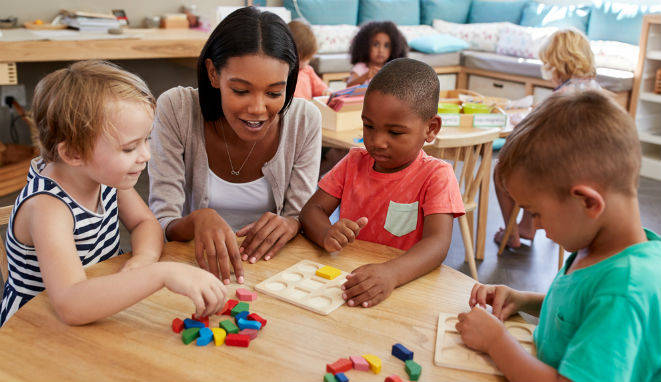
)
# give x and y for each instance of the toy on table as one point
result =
(350, 95)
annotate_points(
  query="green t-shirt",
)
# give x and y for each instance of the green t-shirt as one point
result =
(603, 322)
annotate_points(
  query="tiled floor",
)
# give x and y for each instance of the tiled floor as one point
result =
(528, 268)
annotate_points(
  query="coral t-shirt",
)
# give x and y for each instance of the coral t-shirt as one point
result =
(309, 84)
(395, 204)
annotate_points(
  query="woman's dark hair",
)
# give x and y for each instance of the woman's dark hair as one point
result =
(245, 31)
(360, 46)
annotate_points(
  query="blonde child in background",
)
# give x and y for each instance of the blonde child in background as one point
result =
(94, 121)
(569, 64)
(309, 84)
(574, 163)
(375, 44)
(391, 192)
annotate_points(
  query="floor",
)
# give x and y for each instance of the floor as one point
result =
(531, 267)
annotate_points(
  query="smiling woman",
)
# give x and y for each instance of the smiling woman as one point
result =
(239, 154)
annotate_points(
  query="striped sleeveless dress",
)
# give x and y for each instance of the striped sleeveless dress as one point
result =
(96, 236)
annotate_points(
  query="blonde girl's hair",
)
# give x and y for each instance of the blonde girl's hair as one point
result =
(306, 43)
(71, 105)
(568, 52)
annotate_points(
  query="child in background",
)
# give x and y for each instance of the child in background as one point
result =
(94, 121)
(569, 65)
(574, 164)
(309, 84)
(376, 43)
(391, 193)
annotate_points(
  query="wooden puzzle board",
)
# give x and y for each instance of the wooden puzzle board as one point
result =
(300, 286)
(451, 351)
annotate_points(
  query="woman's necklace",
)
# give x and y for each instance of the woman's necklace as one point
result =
(227, 148)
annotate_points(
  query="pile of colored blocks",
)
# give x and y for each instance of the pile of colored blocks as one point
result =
(335, 371)
(237, 332)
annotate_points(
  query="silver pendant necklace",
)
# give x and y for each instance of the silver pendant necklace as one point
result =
(227, 148)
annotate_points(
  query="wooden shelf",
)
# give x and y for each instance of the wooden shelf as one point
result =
(650, 97)
(654, 55)
(651, 166)
(648, 137)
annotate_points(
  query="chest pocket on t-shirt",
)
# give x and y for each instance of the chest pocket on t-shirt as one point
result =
(402, 218)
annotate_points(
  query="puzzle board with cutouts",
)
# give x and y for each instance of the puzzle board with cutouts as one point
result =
(451, 351)
(300, 286)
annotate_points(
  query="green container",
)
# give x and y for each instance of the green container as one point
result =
(449, 108)
(476, 108)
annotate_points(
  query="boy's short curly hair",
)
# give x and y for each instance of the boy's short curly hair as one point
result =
(71, 105)
(568, 52)
(306, 43)
(581, 136)
(360, 45)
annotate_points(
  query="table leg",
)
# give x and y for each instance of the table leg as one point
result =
(483, 203)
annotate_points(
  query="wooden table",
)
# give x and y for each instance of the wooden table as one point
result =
(295, 345)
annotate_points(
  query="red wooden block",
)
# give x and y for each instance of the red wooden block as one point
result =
(231, 303)
(252, 333)
(339, 366)
(237, 340)
(256, 317)
(177, 325)
(393, 378)
(204, 320)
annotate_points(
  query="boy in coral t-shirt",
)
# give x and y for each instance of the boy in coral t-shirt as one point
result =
(391, 193)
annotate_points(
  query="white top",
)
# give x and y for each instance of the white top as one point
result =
(240, 203)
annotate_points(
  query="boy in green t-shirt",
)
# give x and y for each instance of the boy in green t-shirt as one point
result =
(574, 163)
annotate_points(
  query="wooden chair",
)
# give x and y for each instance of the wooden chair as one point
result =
(473, 148)
(508, 230)
(5, 212)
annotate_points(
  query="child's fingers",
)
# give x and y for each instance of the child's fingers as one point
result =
(198, 301)
(353, 279)
(210, 301)
(507, 311)
(362, 222)
(473, 298)
(380, 296)
(340, 238)
(357, 289)
(499, 297)
(348, 233)
(482, 294)
(331, 245)
(365, 296)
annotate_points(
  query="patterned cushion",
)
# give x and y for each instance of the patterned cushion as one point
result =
(334, 38)
(411, 32)
(480, 36)
(615, 55)
(519, 41)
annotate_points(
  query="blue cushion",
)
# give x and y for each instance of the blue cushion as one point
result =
(438, 43)
(401, 12)
(325, 12)
(483, 11)
(618, 21)
(545, 15)
(454, 11)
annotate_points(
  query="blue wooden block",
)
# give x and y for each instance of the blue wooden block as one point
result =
(190, 323)
(243, 315)
(340, 377)
(248, 324)
(401, 352)
(206, 335)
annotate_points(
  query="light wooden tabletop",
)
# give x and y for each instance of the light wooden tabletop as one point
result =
(295, 345)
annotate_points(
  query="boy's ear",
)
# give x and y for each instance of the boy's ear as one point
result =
(590, 199)
(69, 156)
(212, 73)
(433, 127)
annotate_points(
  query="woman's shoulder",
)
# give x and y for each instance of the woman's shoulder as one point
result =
(178, 98)
(303, 115)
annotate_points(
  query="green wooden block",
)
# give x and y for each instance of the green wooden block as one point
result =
(189, 335)
(240, 307)
(413, 370)
(328, 377)
(229, 326)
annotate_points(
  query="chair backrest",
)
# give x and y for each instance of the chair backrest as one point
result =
(5, 212)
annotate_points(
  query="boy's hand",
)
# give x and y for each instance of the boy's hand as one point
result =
(340, 234)
(368, 285)
(479, 329)
(504, 300)
(207, 292)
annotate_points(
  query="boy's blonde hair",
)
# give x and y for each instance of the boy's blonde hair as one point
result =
(306, 43)
(568, 52)
(571, 138)
(70, 105)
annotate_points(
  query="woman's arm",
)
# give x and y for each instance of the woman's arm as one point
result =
(146, 233)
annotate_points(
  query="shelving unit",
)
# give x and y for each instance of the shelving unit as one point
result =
(646, 104)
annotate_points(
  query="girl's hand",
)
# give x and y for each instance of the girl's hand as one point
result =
(215, 237)
(479, 329)
(368, 285)
(504, 300)
(343, 232)
(372, 71)
(206, 291)
(266, 236)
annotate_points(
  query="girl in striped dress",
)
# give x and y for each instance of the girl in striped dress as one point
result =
(94, 121)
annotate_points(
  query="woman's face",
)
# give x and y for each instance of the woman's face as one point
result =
(379, 49)
(253, 92)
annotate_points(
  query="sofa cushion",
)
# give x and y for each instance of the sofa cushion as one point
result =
(411, 32)
(615, 55)
(334, 38)
(518, 41)
(489, 11)
(546, 15)
(481, 36)
(401, 12)
(341, 62)
(438, 43)
(454, 11)
(327, 12)
(627, 17)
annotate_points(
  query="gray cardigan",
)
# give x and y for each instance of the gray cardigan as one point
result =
(179, 167)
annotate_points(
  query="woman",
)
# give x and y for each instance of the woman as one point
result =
(238, 154)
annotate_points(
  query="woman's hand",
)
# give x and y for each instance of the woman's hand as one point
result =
(215, 237)
(266, 236)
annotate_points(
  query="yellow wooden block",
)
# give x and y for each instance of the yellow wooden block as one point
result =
(328, 272)
(374, 361)
(218, 336)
